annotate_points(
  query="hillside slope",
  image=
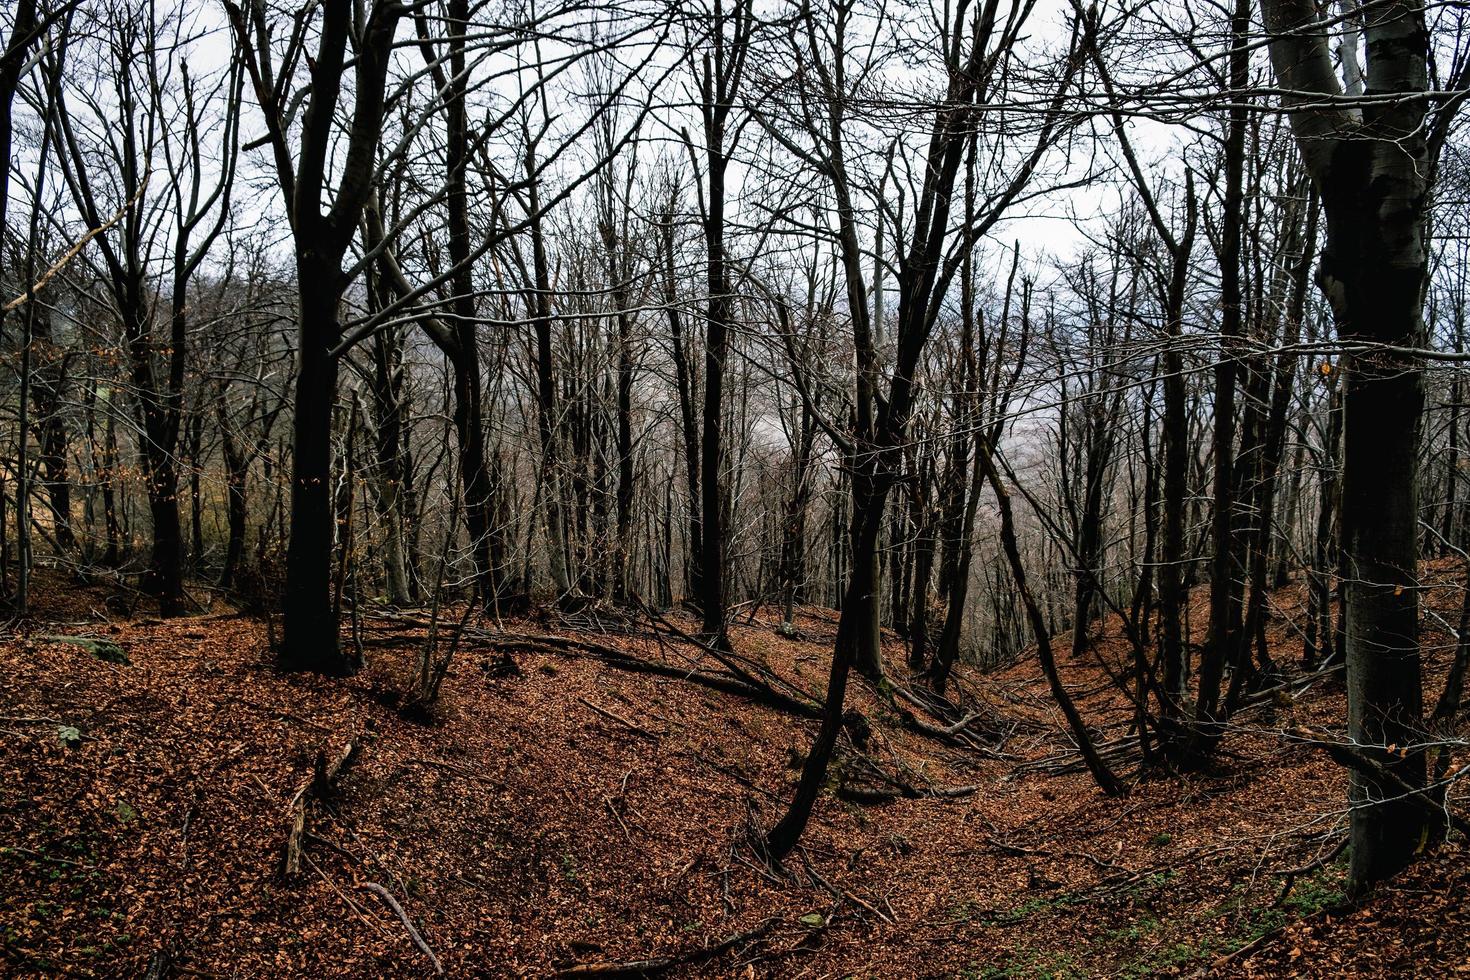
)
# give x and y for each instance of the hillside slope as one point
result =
(566, 814)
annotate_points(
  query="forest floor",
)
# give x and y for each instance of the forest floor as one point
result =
(566, 815)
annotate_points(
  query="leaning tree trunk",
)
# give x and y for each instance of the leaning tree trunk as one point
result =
(868, 496)
(1101, 773)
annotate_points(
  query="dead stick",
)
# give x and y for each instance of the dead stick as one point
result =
(620, 719)
(322, 780)
(75, 249)
(413, 933)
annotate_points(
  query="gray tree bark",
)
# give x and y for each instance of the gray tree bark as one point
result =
(1371, 166)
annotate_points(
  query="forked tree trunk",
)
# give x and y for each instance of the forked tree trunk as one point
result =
(1372, 170)
(309, 640)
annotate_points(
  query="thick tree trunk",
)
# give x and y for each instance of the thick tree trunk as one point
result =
(165, 576)
(309, 639)
(1371, 168)
(1382, 406)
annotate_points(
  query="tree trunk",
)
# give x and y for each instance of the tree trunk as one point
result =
(923, 572)
(716, 343)
(1101, 774)
(487, 540)
(309, 639)
(392, 477)
(867, 499)
(196, 497)
(948, 652)
(1176, 449)
(1371, 167)
(1225, 580)
(236, 466)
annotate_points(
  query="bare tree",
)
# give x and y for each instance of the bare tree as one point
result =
(1372, 164)
(322, 228)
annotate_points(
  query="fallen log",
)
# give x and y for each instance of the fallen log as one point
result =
(863, 794)
(763, 677)
(659, 965)
(739, 679)
(727, 683)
